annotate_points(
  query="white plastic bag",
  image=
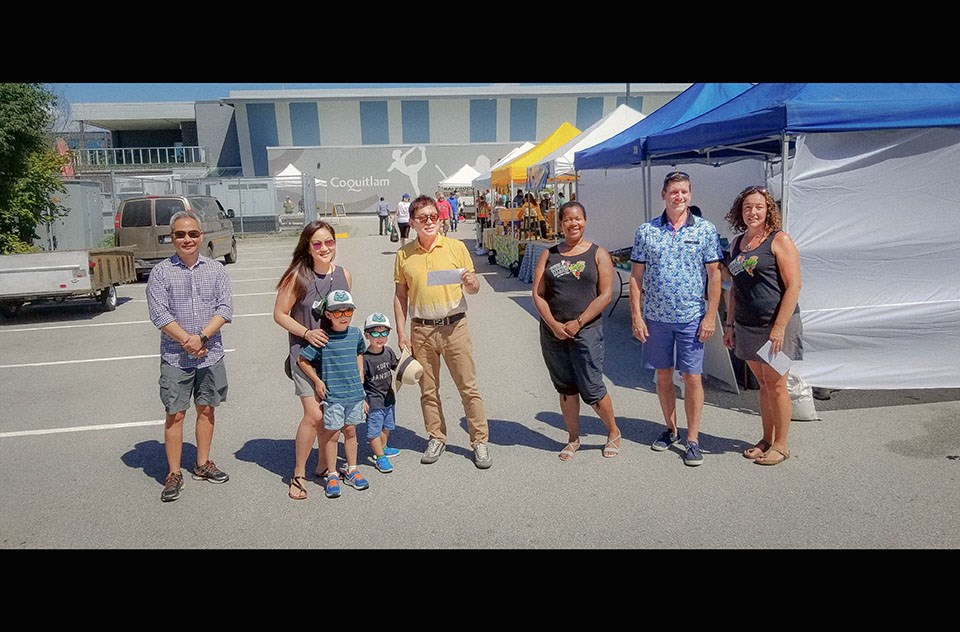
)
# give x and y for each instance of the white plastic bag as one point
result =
(801, 396)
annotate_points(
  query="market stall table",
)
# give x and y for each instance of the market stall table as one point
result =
(531, 253)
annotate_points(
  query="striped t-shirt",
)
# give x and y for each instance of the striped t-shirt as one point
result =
(337, 363)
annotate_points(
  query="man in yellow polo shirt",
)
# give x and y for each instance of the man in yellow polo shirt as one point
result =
(431, 275)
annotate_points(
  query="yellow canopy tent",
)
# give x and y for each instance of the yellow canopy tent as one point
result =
(515, 171)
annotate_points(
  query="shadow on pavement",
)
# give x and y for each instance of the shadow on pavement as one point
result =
(151, 457)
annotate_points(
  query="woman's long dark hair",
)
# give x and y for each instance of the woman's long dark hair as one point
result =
(300, 269)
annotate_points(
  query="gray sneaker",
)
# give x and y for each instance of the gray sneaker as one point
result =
(435, 448)
(481, 456)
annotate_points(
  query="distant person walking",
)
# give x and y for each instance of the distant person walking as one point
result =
(402, 218)
(189, 299)
(383, 213)
(454, 202)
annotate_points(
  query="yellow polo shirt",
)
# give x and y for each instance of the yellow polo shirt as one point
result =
(411, 268)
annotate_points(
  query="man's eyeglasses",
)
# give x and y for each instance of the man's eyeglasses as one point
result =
(337, 313)
(183, 234)
(434, 217)
(379, 334)
(329, 243)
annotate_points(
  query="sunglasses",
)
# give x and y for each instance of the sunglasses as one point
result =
(676, 175)
(337, 313)
(435, 217)
(329, 243)
(183, 234)
(379, 334)
(754, 189)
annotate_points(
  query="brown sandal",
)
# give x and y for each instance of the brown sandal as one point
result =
(295, 482)
(769, 458)
(756, 451)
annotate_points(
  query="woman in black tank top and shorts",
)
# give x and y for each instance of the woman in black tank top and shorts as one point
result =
(572, 285)
(765, 268)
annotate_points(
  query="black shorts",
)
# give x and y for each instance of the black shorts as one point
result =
(576, 365)
(404, 229)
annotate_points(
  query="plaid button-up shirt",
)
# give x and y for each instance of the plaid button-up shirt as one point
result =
(191, 297)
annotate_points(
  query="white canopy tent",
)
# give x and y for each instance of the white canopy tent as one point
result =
(559, 162)
(482, 181)
(461, 179)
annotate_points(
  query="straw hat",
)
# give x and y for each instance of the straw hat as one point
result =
(409, 371)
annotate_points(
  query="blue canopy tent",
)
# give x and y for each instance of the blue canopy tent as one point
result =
(626, 149)
(870, 185)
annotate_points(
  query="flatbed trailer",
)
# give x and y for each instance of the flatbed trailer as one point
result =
(64, 274)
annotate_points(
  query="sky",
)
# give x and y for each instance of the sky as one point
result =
(152, 92)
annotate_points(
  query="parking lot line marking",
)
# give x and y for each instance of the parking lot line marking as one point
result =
(136, 357)
(132, 424)
(126, 322)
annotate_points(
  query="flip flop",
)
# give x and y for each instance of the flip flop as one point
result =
(295, 482)
(757, 451)
(763, 459)
(567, 453)
(610, 450)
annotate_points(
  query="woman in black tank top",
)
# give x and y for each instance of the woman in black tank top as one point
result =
(765, 268)
(572, 284)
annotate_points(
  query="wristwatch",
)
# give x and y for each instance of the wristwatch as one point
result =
(203, 338)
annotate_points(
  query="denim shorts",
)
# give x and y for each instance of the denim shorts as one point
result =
(336, 415)
(664, 338)
(380, 419)
(207, 386)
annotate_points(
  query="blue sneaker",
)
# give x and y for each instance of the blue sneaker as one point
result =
(355, 480)
(665, 440)
(390, 453)
(332, 489)
(383, 464)
(693, 455)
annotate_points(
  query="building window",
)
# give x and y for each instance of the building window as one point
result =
(304, 124)
(374, 124)
(415, 116)
(635, 102)
(523, 120)
(483, 120)
(262, 121)
(589, 111)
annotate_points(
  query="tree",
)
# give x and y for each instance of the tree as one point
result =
(29, 165)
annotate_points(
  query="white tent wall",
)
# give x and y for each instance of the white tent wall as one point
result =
(875, 218)
(614, 197)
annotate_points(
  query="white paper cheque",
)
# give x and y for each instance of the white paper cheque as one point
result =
(780, 363)
(444, 277)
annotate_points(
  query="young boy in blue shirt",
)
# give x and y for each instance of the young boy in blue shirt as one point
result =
(379, 361)
(341, 364)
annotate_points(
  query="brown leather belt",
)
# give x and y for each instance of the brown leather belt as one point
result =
(438, 322)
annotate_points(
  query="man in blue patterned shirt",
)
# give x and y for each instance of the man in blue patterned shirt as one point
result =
(675, 263)
(189, 299)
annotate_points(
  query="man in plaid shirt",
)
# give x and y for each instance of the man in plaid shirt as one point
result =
(190, 299)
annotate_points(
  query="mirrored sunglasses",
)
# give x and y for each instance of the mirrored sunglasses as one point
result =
(379, 334)
(337, 313)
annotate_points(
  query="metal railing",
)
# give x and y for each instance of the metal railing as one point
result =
(138, 158)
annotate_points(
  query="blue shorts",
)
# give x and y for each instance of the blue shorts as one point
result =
(380, 419)
(335, 415)
(663, 338)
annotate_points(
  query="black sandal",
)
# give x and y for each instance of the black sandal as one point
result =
(295, 481)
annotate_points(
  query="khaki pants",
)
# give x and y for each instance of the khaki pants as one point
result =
(454, 345)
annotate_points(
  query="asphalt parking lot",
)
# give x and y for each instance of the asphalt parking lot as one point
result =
(82, 461)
